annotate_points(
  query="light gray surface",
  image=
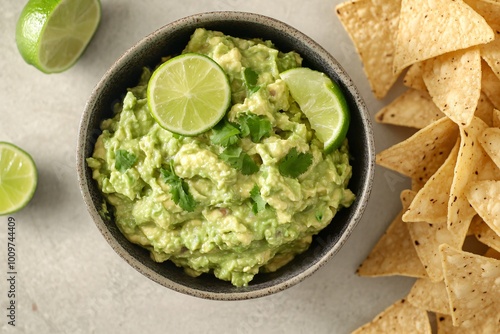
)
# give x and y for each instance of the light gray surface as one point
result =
(70, 281)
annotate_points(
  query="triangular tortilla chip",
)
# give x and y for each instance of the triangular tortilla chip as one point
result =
(413, 109)
(373, 38)
(427, 238)
(454, 83)
(423, 153)
(484, 196)
(491, 53)
(430, 28)
(400, 317)
(430, 296)
(431, 202)
(472, 282)
(489, 9)
(485, 109)
(484, 321)
(490, 84)
(413, 77)
(485, 234)
(394, 253)
(470, 159)
(490, 141)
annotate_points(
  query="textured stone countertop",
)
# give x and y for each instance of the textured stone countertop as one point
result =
(69, 280)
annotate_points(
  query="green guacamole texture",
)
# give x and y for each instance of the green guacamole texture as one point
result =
(226, 234)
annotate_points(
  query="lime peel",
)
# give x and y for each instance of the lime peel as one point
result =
(323, 103)
(53, 34)
(18, 178)
(188, 94)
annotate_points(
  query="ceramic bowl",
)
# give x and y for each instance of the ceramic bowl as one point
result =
(170, 40)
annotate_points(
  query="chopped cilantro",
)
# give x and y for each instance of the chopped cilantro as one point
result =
(179, 189)
(240, 160)
(251, 78)
(124, 160)
(224, 134)
(254, 126)
(319, 216)
(294, 163)
(258, 203)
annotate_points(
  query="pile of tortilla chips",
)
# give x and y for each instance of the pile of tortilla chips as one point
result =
(447, 234)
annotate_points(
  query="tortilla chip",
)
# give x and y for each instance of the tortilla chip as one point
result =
(485, 234)
(454, 83)
(413, 77)
(430, 296)
(469, 162)
(372, 25)
(490, 141)
(490, 84)
(431, 202)
(484, 196)
(493, 253)
(427, 238)
(420, 156)
(400, 317)
(485, 109)
(489, 9)
(491, 53)
(484, 321)
(394, 253)
(413, 109)
(430, 28)
(472, 282)
(496, 118)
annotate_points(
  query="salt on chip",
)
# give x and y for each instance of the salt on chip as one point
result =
(484, 196)
(431, 202)
(429, 296)
(394, 253)
(454, 83)
(485, 234)
(470, 159)
(372, 26)
(400, 317)
(413, 109)
(472, 282)
(413, 77)
(420, 155)
(490, 84)
(490, 141)
(484, 321)
(431, 28)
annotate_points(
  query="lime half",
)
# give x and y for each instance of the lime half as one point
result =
(189, 94)
(321, 100)
(18, 178)
(52, 34)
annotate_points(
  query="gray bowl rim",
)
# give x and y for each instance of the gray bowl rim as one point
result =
(198, 20)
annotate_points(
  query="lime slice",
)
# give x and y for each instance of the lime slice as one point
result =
(189, 94)
(321, 100)
(18, 178)
(52, 34)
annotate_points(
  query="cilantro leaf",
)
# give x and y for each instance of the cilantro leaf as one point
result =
(239, 160)
(124, 160)
(179, 189)
(294, 163)
(258, 203)
(224, 134)
(254, 126)
(251, 78)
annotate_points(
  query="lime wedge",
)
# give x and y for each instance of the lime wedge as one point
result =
(52, 34)
(189, 94)
(18, 178)
(321, 100)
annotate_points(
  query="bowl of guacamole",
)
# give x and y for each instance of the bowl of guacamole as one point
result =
(247, 208)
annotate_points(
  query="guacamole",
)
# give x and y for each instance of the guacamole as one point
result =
(242, 198)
